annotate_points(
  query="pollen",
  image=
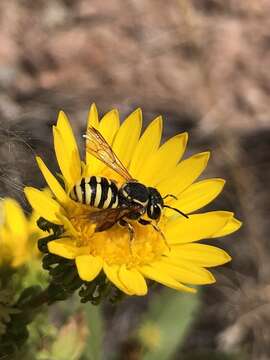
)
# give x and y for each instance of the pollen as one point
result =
(115, 245)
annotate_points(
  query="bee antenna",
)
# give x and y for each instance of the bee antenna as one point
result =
(170, 195)
(177, 210)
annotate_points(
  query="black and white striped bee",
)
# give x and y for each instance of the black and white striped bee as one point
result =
(117, 204)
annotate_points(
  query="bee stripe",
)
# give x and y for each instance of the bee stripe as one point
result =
(115, 203)
(87, 193)
(104, 192)
(140, 202)
(93, 186)
(72, 195)
(108, 200)
(82, 185)
(114, 200)
(98, 195)
(78, 192)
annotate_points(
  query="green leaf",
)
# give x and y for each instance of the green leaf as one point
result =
(6, 308)
(166, 324)
(93, 350)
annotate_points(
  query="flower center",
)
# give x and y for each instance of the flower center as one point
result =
(115, 245)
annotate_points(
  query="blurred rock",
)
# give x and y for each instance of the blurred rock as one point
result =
(189, 57)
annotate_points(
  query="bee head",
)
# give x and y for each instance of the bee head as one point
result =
(155, 204)
(134, 193)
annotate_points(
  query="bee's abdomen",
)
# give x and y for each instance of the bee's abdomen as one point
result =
(98, 192)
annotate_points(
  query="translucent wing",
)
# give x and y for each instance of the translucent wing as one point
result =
(106, 218)
(97, 146)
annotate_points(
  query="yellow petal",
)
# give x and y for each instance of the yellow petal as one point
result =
(64, 161)
(152, 272)
(196, 196)
(133, 281)
(93, 117)
(196, 227)
(148, 143)
(230, 227)
(68, 226)
(14, 219)
(54, 185)
(184, 174)
(88, 266)
(66, 248)
(127, 137)
(109, 125)
(43, 204)
(112, 273)
(72, 152)
(108, 128)
(160, 164)
(200, 254)
(94, 122)
(186, 272)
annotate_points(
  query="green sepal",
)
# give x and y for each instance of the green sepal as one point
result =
(49, 260)
(55, 233)
(27, 294)
(45, 225)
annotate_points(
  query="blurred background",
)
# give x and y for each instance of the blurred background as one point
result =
(202, 64)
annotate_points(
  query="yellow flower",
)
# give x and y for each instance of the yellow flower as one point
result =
(127, 265)
(18, 234)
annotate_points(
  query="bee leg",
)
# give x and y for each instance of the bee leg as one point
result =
(131, 231)
(146, 222)
(163, 236)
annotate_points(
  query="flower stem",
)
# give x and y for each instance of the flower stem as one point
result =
(36, 301)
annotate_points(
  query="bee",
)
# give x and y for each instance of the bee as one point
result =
(131, 201)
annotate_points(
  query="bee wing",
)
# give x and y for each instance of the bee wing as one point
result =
(97, 146)
(106, 218)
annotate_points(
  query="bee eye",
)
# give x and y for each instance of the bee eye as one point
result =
(154, 212)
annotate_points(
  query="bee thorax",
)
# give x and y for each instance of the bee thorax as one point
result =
(134, 192)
